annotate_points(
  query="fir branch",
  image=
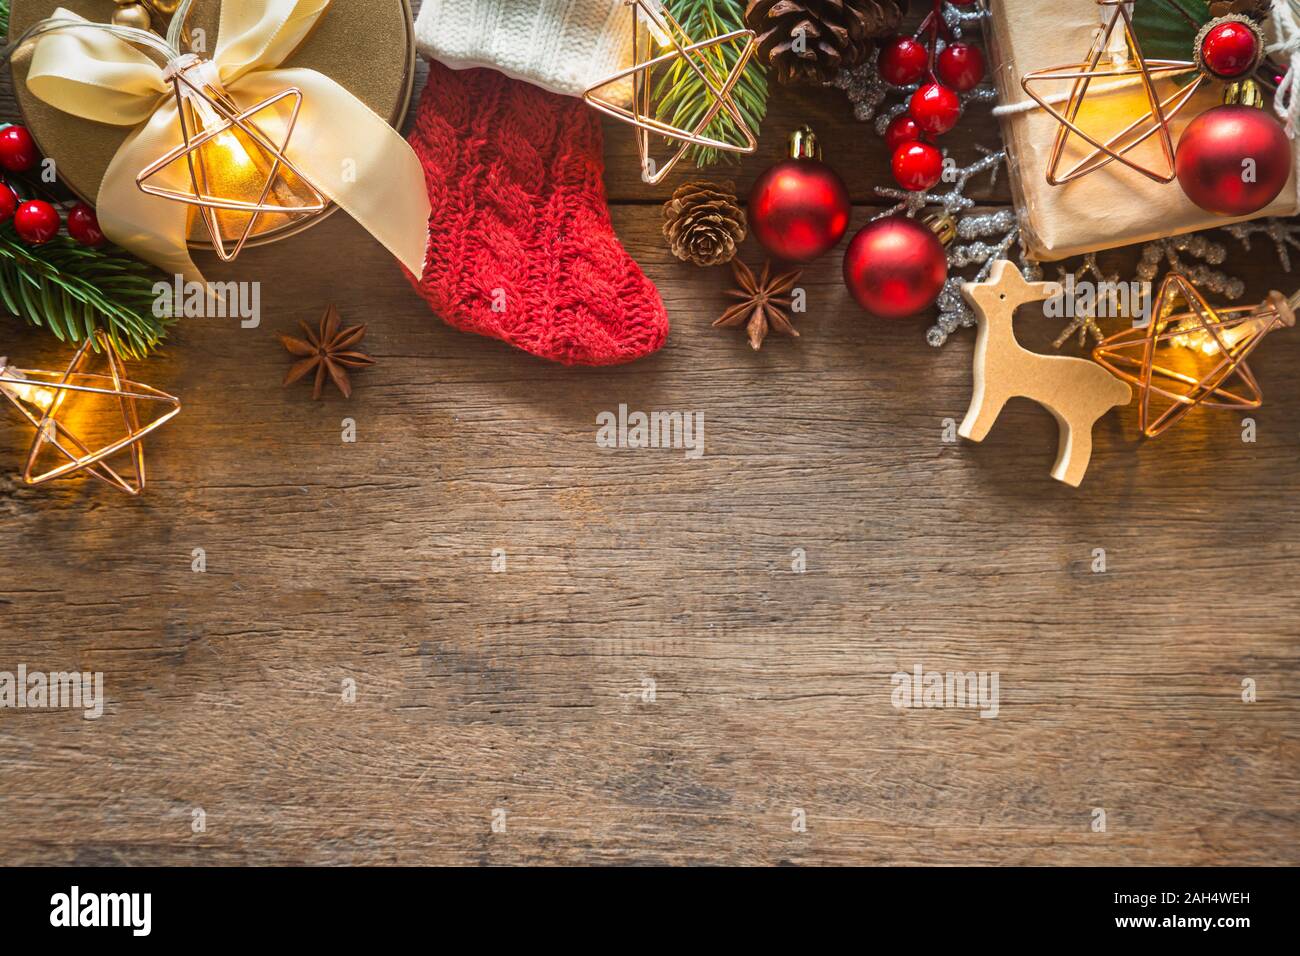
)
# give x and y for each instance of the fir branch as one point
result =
(682, 97)
(71, 291)
(4, 18)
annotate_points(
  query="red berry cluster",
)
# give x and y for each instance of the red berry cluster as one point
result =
(935, 107)
(35, 220)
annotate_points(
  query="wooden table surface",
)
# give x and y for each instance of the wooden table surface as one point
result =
(523, 696)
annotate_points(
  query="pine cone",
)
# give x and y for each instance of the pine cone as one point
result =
(704, 223)
(809, 41)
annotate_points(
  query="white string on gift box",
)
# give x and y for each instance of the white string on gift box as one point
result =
(1286, 101)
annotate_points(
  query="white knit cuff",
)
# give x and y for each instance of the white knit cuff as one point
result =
(566, 46)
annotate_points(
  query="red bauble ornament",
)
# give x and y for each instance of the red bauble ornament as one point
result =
(901, 129)
(902, 61)
(935, 108)
(1233, 160)
(895, 267)
(960, 66)
(799, 209)
(83, 226)
(917, 166)
(36, 221)
(18, 152)
(1230, 49)
(8, 203)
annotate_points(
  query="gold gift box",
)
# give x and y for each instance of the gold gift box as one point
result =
(366, 46)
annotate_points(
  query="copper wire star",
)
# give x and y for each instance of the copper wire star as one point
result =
(1154, 122)
(196, 134)
(41, 397)
(1161, 358)
(660, 27)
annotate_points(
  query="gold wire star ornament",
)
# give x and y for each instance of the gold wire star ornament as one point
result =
(43, 399)
(1125, 64)
(653, 27)
(236, 172)
(1191, 354)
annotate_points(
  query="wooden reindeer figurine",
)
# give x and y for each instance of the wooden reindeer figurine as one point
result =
(1076, 391)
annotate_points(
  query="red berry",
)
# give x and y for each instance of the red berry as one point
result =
(917, 166)
(960, 66)
(1229, 49)
(8, 202)
(902, 61)
(902, 129)
(18, 152)
(83, 225)
(36, 221)
(935, 108)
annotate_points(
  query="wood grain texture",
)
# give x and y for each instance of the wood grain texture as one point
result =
(521, 690)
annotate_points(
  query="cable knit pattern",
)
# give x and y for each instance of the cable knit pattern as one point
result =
(520, 222)
(565, 46)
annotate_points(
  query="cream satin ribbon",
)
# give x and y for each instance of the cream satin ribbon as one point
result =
(339, 144)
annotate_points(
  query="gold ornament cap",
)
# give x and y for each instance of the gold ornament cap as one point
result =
(943, 226)
(804, 144)
(1244, 93)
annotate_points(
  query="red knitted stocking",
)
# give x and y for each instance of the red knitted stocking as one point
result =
(521, 247)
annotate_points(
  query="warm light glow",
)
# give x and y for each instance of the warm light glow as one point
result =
(28, 392)
(1192, 334)
(236, 154)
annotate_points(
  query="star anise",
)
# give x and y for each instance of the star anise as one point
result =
(327, 352)
(762, 306)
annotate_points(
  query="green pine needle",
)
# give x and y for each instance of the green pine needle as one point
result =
(682, 97)
(71, 291)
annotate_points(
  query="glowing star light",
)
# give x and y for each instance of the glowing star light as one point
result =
(236, 172)
(1191, 354)
(1115, 56)
(43, 399)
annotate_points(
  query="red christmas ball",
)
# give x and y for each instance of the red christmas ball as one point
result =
(36, 221)
(8, 202)
(18, 152)
(935, 108)
(895, 267)
(83, 225)
(902, 61)
(1233, 160)
(960, 66)
(917, 166)
(799, 209)
(1229, 49)
(901, 129)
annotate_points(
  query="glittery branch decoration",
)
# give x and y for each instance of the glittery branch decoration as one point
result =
(1283, 232)
(1084, 323)
(982, 238)
(1170, 252)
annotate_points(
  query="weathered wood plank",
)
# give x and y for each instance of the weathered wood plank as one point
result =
(523, 690)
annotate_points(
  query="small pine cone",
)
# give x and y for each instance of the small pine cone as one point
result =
(810, 41)
(704, 223)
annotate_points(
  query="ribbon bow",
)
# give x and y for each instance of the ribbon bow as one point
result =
(339, 144)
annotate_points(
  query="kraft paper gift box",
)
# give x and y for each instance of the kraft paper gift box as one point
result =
(1113, 206)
